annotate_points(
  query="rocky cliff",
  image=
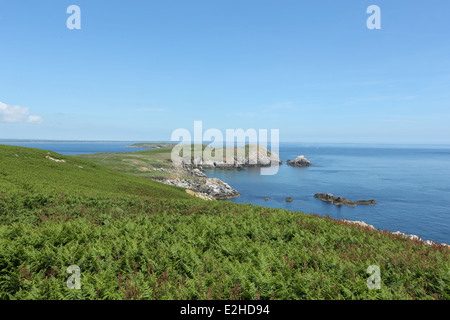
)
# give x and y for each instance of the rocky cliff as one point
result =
(235, 158)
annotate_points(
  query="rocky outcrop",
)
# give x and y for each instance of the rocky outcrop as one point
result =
(56, 160)
(197, 173)
(397, 233)
(211, 186)
(366, 202)
(300, 161)
(414, 237)
(360, 223)
(200, 195)
(194, 181)
(328, 197)
(194, 172)
(339, 201)
(250, 156)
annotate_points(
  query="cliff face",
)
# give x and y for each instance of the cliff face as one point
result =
(235, 158)
(190, 178)
(210, 186)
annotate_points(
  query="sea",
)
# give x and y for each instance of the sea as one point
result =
(410, 183)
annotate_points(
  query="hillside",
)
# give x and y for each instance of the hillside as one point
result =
(30, 171)
(135, 238)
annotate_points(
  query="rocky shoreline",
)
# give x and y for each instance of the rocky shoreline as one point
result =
(397, 233)
(211, 187)
(201, 186)
(206, 188)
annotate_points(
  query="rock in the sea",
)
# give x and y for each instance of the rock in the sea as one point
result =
(339, 201)
(289, 199)
(328, 197)
(300, 161)
(366, 202)
(266, 198)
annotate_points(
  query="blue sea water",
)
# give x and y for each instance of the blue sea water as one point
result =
(71, 148)
(411, 184)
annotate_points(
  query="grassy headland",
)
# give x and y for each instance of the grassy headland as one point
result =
(134, 238)
(137, 163)
(152, 145)
(133, 162)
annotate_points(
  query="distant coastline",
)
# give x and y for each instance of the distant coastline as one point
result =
(71, 141)
(152, 145)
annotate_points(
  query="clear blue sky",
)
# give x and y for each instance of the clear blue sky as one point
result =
(137, 70)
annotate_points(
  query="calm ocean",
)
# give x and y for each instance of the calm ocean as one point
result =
(411, 184)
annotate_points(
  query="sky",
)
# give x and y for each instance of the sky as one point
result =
(138, 70)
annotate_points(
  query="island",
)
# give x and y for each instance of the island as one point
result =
(339, 201)
(300, 161)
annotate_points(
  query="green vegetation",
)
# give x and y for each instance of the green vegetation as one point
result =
(131, 162)
(134, 238)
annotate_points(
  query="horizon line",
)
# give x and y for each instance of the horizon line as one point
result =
(177, 142)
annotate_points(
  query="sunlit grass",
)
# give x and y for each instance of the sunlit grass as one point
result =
(134, 238)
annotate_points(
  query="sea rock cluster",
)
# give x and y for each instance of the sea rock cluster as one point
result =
(339, 201)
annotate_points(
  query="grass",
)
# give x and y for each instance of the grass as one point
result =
(130, 162)
(134, 238)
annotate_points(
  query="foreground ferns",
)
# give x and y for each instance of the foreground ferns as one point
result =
(136, 239)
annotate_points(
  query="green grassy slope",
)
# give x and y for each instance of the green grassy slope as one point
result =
(130, 162)
(136, 239)
(30, 172)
